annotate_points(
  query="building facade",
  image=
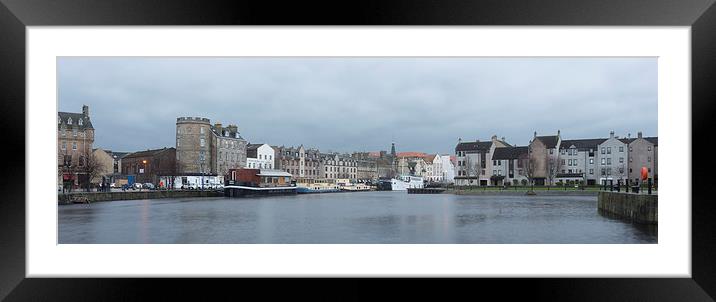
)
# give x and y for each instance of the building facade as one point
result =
(338, 166)
(544, 159)
(148, 166)
(75, 137)
(612, 161)
(303, 164)
(202, 148)
(259, 156)
(509, 165)
(578, 161)
(642, 153)
(474, 162)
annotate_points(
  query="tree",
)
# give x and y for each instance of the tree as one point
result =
(91, 166)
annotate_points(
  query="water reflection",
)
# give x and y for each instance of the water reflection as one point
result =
(363, 217)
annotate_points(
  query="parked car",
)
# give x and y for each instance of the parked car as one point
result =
(136, 186)
(148, 185)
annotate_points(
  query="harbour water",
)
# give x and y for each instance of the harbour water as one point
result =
(345, 218)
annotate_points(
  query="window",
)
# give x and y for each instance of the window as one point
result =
(631, 159)
(621, 160)
(570, 162)
(603, 150)
(74, 132)
(649, 159)
(609, 150)
(591, 171)
(74, 145)
(64, 145)
(621, 148)
(631, 149)
(648, 148)
(609, 161)
(591, 161)
(621, 170)
(604, 171)
(202, 142)
(604, 161)
(563, 171)
(551, 151)
(201, 130)
(570, 171)
(648, 169)
(69, 121)
(79, 122)
(609, 171)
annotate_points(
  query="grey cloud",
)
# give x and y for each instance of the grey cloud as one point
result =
(347, 104)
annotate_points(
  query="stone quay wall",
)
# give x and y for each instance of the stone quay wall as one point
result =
(639, 208)
(110, 196)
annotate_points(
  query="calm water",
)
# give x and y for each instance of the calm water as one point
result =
(361, 217)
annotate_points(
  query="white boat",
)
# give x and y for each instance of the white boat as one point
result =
(403, 182)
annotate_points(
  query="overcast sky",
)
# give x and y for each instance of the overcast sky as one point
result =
(362, 104)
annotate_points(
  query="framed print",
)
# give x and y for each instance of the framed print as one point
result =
(510, 140)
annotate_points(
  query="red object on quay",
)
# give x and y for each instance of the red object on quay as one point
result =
(644, 173)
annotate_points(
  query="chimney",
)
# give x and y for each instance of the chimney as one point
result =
(503, 138)
(557, 132)
(611, 134)
(219, 129)
(85, 110)
(494, 138)
(628, 135)
(535, 134)
(459, 140)
(639, 134)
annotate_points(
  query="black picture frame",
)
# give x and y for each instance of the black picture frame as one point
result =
(16, 15)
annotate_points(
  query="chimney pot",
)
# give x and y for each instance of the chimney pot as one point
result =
(639, 134)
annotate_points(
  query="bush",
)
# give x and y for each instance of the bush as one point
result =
(516, 182)
(524, 182)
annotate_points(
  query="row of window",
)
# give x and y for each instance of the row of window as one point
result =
(64, 146)
(69, 121)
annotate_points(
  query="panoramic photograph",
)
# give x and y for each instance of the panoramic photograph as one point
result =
(357, 150)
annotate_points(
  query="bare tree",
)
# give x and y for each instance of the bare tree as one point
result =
(90, 165)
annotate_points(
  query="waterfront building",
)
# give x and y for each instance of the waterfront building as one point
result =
(202, 148)
(259, 156)
(612, 161)
(474, 162)
(366, 166)
(303, 164)
(104, 166)
(578, 160)
(411, 163)
(433, 167)
(642, 153)
(148, 166)
(228, 147)
(75, 136)
(335, 166)
(543, 154)
(510, 165)
(448, 168)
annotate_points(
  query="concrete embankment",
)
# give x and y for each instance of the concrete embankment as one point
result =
(129, 195)
(522, 192)
(639, 208)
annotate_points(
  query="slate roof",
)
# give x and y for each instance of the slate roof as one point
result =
(653, 139)
(76, 117)
(473, 146)
(253, 146)
(582, 144)
(147, 153)
(549, 141)
(227, 130)
(504, 153)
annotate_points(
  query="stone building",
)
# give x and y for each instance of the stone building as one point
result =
(338, 166)
(474, 161)
(75, 137)
(205, 149)
(150, 165)
(303, 164)
(366, 166)
(229, 149)
(612, 161)
(642, 153)
(544, 159)
(448, 168)
(104, 166)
